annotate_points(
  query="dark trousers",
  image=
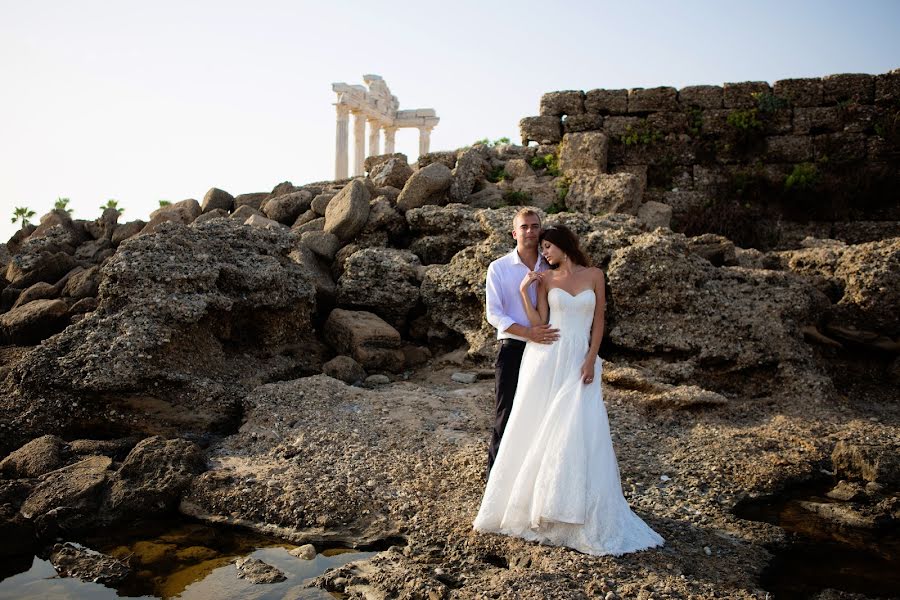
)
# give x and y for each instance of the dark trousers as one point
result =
(506, 376)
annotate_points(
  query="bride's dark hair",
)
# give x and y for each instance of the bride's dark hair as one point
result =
(563, 238)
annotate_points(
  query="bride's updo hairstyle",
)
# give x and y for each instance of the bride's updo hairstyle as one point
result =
(563, 238)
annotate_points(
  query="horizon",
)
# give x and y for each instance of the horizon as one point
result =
(163, 102)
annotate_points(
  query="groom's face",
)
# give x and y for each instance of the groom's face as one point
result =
(527, 231)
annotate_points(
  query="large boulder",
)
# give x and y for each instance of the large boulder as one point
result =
(69, 498)
(37, 457)
(423, 184)
(366, 337)
(603, 193)
(33, 322)
(184, 211)
(858, 460)
(38, 291)
(382, 280)
(152, 477)
(585, 151)
(105, 225)
(35, 263)
(393, 172)
(287, 207)
(217, 199)
(83, 284)
(348, 212)
(472, 166)
(181, 315)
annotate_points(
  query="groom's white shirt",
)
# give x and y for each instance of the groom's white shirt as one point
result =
(504, 305)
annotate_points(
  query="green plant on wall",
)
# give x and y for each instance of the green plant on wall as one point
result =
(804, 177)
(550, 162)
(163, 203)
(641, 132)
(695, 120)
(768, 102)
(516, 198)
(497, 174)
(746, 120)
(562, 188)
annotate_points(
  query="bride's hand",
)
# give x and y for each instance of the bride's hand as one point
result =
(530, 278)
(587, 371)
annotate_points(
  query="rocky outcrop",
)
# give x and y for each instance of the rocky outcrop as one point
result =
(72, 561)
(177, 311)
(347, 213)
(367, 338)
(382, 280)
(423, 185)
(33, 322)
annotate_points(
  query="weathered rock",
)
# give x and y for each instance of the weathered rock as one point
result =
(518, 167)
(152, 477)
(304, 552)
(366, 337)
(652, 99)
(127, 231)
(424, 183)
(216, 213)
(701, 96)
(29, 267)
(184, 211)
(316, 224)
(743, 94)
(446, 158)
(372, 163)
(320, 203)
(37, 457)
(94, 251)
(217, 199)
(655, 214)
(253, 200)
(90, 566)
(77, 487)
(85, 305)
(583, 152)
(383, 216)
(717, 249)
(38, 291)
(263, 223)
(664, 299)
(344, 368)
(104, 226)
(83, 283)
(867, 462)
(322, 243)
(286, 208)
(33, 322)
(605, 193)
(471, 166)
(539, 192)
(256, 571)
(383, 281)
(318, 273)
(556, 104)
(543, 130)
(394, 172)
(348, 212)
(185, 294)
(244, 212)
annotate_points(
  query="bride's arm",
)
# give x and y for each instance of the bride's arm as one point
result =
(587, 368)
(536, 316)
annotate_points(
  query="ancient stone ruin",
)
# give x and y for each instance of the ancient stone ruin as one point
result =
(377, 106)
(313, 363)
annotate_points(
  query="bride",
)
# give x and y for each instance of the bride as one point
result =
(555, 479)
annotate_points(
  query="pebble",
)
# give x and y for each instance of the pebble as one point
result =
(707, 550)
(460, 377)
(378, 380)
(665, 478)
(305, 552)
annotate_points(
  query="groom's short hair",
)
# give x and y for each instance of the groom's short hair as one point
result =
(526, 212)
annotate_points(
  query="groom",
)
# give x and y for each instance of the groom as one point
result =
(505, 312)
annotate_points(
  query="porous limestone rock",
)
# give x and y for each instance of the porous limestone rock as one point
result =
(605, 193)
(381, 280)
(471, 167)
(423, 184)
(393, 172)
(585, 151)
(38, 457)
(217, 199)
(286, 208)
(33, 322)
(366, 337)
(344, 368)
(348, 212)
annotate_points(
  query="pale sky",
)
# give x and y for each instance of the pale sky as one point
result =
(142, 101)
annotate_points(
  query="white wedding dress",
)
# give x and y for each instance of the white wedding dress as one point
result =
(556, 479)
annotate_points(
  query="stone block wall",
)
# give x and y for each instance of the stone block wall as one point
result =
(815, 149)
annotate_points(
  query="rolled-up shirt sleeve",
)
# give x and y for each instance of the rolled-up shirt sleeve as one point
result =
(494, 312)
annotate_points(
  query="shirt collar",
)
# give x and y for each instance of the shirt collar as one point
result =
(541, 261)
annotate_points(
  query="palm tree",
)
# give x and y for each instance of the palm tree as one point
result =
(62, 204)
(113, 204)
(23, 214)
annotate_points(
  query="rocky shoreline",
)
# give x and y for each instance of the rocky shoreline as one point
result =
(313, 364)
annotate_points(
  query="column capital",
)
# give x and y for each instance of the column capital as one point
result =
(342, 110)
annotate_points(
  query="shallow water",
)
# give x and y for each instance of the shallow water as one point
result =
(181, 560)
(821, 554)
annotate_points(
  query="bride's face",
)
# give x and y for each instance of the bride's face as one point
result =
(552, 253)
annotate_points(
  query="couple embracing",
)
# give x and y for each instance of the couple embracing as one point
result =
(553, 476)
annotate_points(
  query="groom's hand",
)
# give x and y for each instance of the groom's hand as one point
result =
(543, 334)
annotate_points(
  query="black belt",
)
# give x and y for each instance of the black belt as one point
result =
(511, 343)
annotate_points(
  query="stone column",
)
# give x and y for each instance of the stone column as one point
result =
(374, 137)
(341, 142)
(389, 139)
(424, 139)
(359, 140)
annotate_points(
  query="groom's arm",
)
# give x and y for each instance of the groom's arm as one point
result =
(494, 312)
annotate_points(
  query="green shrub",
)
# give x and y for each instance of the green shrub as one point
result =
(62, 204)
(804, 176)
(641, 133)
(516, 198)
(745, 120)
(164, 203)
(548, 161)
(768, 103)
(562, 188)
(695, 120)
(555, 208)
(497, 174)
